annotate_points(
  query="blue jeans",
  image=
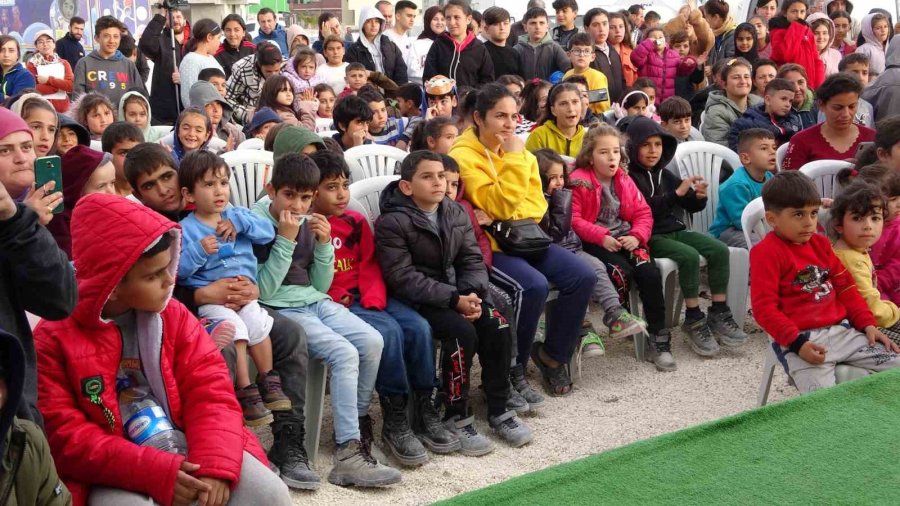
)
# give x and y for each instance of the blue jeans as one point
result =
(407, 361)
(352, 350)
(575, 281)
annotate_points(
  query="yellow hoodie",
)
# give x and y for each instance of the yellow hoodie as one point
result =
(507, 186)
(859, 263)
(548, 136)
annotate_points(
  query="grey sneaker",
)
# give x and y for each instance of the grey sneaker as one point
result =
(660, 347)
(472, 443)
(700, 338)
(520, 384)
(726, 329)
(511, 429)
(515, 401)
(354, 465)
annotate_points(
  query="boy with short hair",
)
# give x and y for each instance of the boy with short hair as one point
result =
(383, 129)
(539, 55)
(774, 114)
(606, 59)
(581, 54)
(686, 85)
(804, 298)
(406, 373)
(356, 76)
(756, 148)
(410, 98)
(352, 115)
(566, 12)
(440, 92)
(443, 275)
(804, 101)
(295, 273)
(496, 32)
(651, 20)
(675, 117)
(153, 176)
(105, 70)
(856, 63)
(126, 334)
(215, 77)
(117, 140)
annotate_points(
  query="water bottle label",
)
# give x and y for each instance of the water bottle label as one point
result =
(147, 423)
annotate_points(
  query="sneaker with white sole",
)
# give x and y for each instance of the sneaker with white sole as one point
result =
(724, 326)
(472, 444)
(511, 429)
(660, 351)
(626, 324)
(700, 337)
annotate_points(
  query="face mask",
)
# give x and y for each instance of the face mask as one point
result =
(661, 41)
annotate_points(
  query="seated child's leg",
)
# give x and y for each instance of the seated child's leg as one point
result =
(688, 259)
(494, 356)
(733, 237)
(510, 271)
(391, 378)
(809, 377)
(458, 344)
(119, 497)
(620, 322)
(507, 297)
(241, 336)
(855, 350)
(647, 278)
(418, 346)
(259, 485)
(717, 259)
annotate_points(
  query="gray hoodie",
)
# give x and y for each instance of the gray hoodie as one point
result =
(542, 59)
(151, 133)
(884, 92)
(112, 77)
(203, 93)
(872, 48)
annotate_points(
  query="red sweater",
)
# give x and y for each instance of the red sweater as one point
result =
(355, 265)
(800, 287)
(809, 145)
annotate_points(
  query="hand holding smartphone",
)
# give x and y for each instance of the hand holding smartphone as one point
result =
(46, 169)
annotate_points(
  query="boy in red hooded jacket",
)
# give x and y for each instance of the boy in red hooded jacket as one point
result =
(126, 329)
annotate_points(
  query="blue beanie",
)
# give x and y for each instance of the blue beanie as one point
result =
(260, 118)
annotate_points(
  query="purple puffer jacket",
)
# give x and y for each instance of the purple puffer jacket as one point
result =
(298, 83)
(661, 69)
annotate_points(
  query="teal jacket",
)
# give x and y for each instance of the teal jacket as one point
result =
(734, 195)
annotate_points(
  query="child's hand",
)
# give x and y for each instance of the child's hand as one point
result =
(321, 227)
(474, 313)
(700, 189)
(483, 218)
(288, 225)
(229, 144)
(226, 230)
(686, 185)
(812, 353)
(210, 244)
(308, 94)
(358, 138)
(874, 335)
(430, 113)
(248, 115)
(826, 203)
(611, 244)
(469, 305)
(346, 300)
(218, 494)
(629, 242)
(188, 488)
(511, 144)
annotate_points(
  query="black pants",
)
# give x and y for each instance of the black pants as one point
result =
(647, 277)
(461, 339)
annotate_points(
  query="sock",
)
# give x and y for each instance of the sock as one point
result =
(692, 314)
(718, 307)
(494, 411)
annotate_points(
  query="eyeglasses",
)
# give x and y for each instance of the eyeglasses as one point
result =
(581, 52)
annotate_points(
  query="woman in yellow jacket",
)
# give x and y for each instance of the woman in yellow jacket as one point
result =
(501, 178)
(561, 130)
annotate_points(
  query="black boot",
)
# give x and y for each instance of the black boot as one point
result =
(289, 455)
(428, 427)
(396, 433)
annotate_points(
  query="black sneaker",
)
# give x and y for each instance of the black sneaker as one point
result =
(700, 337)
(289, 456)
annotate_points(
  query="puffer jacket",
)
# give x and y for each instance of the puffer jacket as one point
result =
(794, 42)
(549, 136)
(558, 220)
(757, 117)
(468, 62)
(831, 57)
(423, 266)
(721, 113)
(662, 70)
(17, 79)
(391, 57)
(586, 206)
(884, 92)
(298, 83)
(542, 59)
(227, 56)
(873, 48)
(79, 358)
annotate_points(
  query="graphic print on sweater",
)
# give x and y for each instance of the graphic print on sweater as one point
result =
(813, 279)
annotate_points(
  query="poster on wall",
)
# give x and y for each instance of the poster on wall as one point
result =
(22, 19)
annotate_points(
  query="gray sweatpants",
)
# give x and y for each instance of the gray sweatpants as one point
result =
(257, 485)
(604, 291)
(843, 345)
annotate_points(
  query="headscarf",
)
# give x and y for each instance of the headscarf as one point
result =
(427, 32)
(751, 56)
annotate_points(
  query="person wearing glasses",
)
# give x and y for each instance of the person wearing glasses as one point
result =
(53, 75)
(199, 53)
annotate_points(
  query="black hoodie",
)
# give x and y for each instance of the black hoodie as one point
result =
(657, 184)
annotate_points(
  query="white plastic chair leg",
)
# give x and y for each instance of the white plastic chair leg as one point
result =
(765, 383)
(316, 375)
(640, 339)
(738, 283)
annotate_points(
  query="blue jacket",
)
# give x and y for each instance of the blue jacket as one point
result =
(734, 195)
(70, 49)
(196, 268)
(17, 79)
(278, 36)
(757, 117)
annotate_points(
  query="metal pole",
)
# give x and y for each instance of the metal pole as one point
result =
(174, 58)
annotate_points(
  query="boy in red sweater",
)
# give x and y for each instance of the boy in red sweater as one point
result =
(407, 359)
(804, 297)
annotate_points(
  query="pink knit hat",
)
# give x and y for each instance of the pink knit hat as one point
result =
(11, 122)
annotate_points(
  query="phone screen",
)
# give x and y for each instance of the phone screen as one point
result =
(601, 95)
(46, 169)
(862, 147)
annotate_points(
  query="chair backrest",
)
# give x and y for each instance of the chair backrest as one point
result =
(327, 133)
(753, 221)
(370, 160)
(824, 174)
(780, 153)
(251, 169)
(700, 158)
(324, 124)
(367, 192)
(253, 143)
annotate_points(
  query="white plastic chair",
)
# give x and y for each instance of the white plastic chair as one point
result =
(824, 173)
(251, 169)
(314, 407)
(253, 143)
(370, 160)
(324, 124)
(327, 133)
(753, 221)
(365, 195)
(780, 153)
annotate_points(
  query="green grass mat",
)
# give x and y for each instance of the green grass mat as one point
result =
(835, 446)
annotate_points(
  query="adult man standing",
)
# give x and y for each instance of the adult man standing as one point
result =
(156, 44)
(69, 46)
(636, 15)
(376, 52)
(405, 16)
(271, 31)
(386, 10)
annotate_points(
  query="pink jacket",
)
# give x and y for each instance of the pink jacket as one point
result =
(662, 70)
(887, 261)
(586, 193)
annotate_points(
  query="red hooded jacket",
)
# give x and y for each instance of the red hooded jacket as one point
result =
(80, 356)
(794, 42)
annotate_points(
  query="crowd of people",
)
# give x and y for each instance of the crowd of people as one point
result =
(173, 321)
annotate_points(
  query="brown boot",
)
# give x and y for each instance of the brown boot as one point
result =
(270, 389)
(255, 412)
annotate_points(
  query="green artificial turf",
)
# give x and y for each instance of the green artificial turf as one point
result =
(835, 446)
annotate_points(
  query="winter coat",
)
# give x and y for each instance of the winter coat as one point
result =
(721, 113)
(506, 186)
(469, 62)
(629, 71)
(392, 63)
(227, 56)
(423, 266)
(873, 48)
(662, 70)
(243, 87)
(887, 262)
(504, 58)
(55, 84)
(70, 49)
(723, 47)
(831, 57)
(611, 66)
(156, 44)
(558, 220)
(548, 136)
(35, 276)
(151, 133)
(657, 184)
(794, 42)
(586, 205)
(884, 92)
(542, 59)
(80, 356)
(18, 78)
(757, 117)
(298, 83)
(356, 271)
(29, 475)
(278, 36)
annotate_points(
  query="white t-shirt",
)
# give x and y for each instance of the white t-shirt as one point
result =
(415, 62)
(333, 76)
(404, 42)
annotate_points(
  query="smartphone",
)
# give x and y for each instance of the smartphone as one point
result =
(862, 147)
(601, 95)
(46, 169)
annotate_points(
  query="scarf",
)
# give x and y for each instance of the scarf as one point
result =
(38, 59)
(726, 27)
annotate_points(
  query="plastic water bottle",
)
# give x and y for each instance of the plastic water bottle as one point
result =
(146, 423)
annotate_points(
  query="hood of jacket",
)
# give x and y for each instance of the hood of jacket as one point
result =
(812, 18)
(847, 3)
(121, 116)
(84, 137)
(103, 254)
(868, 34)
(292, 32)
(638, 131)
(12, 363)
(892, 57)
(366, 13)
(95, 55)
(523, 39)
(292, 139)
(203, 93)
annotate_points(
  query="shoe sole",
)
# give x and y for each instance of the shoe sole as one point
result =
(301, 485)
(403, 459)
(628, 332)
(524, 409)
(259, 422)
(478, 453)
(663, 368)
(346, 481)
(593, 353)
(515, 444)
(730, 342)
(697, 349)
(441, 449)
(283, 405)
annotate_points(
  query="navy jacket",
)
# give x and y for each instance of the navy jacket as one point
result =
(757, 117)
